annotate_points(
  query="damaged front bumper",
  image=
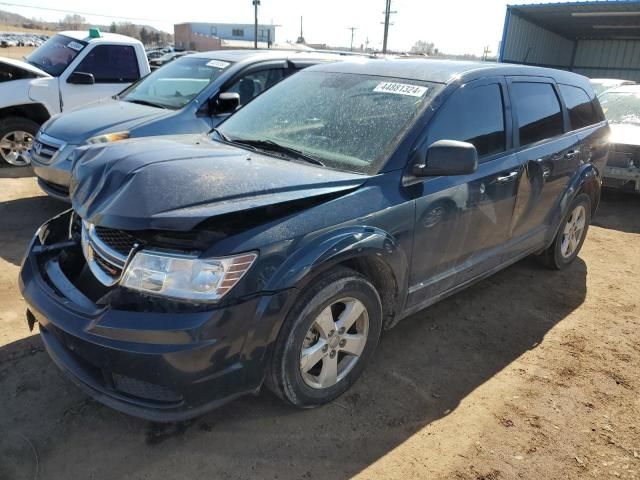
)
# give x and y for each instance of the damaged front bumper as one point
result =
(152, 359)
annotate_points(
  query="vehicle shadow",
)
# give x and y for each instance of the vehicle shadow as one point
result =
(19, 219)
(619, 211)
(9, 171)
(422, 370)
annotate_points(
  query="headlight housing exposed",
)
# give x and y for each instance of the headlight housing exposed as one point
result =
(108, 137)
(185, 277)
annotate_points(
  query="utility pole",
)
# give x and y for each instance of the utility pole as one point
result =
(255, 29)
(387, 14)
(301, 37)
(352, 30)
(485, 53)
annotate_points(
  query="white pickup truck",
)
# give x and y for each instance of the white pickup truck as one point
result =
(68, 70)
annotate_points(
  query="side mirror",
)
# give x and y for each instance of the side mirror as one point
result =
(226, 102)
(81, 78)
(447, 157)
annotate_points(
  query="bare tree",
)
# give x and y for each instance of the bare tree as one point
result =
(73, 22)
(421, 47)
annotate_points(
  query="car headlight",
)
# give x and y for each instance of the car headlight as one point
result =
(185, 277)
(108, 137)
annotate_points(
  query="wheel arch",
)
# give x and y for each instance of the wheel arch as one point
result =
(371, 252)
(35, 112)
(586, 181)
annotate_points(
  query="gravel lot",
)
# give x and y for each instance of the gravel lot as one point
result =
(529, 374)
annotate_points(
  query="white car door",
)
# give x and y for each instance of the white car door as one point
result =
(113, 68)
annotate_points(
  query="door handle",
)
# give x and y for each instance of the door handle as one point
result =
(507, 178)
(571, 154)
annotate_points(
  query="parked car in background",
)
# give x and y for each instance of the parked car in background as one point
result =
(193, 270)
(167, 58)
(182, 97)
(602, 84)
(621, 106)
(68, 70)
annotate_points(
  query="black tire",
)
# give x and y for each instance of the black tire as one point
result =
(12, 124)
(284, 377)
(552, 257)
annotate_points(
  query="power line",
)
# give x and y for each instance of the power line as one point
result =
(59, 10)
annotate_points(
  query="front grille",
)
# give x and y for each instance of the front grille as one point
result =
(106, 251)
(45, 148)
(118, 240)
(142, 389)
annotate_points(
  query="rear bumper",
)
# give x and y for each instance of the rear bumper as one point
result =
(165, 365)
(627, 178)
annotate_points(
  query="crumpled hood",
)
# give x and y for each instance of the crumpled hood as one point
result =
(174, 183)
(624, 133)
(12, 62)
(105, 116)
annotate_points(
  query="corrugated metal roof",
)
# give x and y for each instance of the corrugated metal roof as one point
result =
(584, 20)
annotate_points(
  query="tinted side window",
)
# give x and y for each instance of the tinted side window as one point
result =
(581, 110)
(474, 115)
(111, 64)
(538, 111)
(253, 84)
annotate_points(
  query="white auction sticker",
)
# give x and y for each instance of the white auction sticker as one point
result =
(401, 89)
(217, 64)
(75, 46)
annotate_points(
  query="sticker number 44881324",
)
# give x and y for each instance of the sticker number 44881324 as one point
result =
(401, 89)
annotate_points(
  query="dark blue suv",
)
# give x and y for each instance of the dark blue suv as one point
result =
(194, 269)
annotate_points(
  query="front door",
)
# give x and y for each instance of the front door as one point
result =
(252, 82)
(462, 222)
(114, 67)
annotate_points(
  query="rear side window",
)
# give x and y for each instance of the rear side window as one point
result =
(538, 111)
(581, 110)
(111, 64)
(474, 115)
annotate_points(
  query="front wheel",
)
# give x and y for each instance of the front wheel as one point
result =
(571, 235)
(326, 340)
(16, 137)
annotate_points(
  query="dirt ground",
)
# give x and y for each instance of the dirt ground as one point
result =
(530, 374)
(17, 53)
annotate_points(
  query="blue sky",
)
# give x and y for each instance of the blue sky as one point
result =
(454, 26)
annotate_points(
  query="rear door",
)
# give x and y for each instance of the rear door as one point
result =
(114, 67)
(462, 222)
(549, 153)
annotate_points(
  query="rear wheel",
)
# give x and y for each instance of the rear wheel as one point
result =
(327, 340)
(16, 137)
(571, 235)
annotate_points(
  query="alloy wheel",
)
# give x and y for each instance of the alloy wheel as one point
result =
(573, 231)
(14, 146)
(334, 343)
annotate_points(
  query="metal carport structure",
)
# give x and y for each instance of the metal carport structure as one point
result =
(597, 39)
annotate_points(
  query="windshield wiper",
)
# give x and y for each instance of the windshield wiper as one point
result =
(146, 102)
(271, 146)
(220, 134)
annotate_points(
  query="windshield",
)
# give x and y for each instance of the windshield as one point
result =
(55, 55)
(175, 84)
(346, 121)
(621, 107)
